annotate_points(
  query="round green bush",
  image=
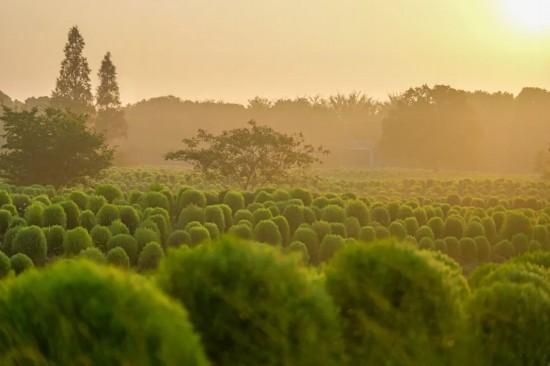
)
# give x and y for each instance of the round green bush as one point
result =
(54, 215)
(438, 226)
(31, 241)
(154, 199)
(177, 238)
(266, 231)
(163, 226)
(411, 225)
(92, 254)
(503, 250)
(454, 226)
(213, 230)
(359, 210)
(294, 215)
(55, 236)
(150, 256)
(329, 246)
(244, 215)
(242, 231)
(262, 214)
(95, 203)
(382, 232)
(303, 195)
(453, 248)
(426, 243)
(100, 237)
(20, 263)
(80, 198)
(367, 234)
(468, 250)
(521, 243)
(34, 214)
(510, 322)
(188, 214)
(333, 213)
(514, 223)
(117, 257)
(311, 241)
(20, 201)
(87, 219)
(252, 305)
(130, 217)
(5, 198)
(397, 305)
(126, 242)
(351, 226)
(381, 215)
(424, 231)
(474, 229)
(440, 245)
(191, 197)
(214, 214)
(301, 249)
(234, 200)
(5, 218)
(120, 320)
(198, 235)
(117, 227)
(490, 229)
(76, 240)
(107, 214)
(5, 265)
(397, 230)
(484, 250)
(541, 234)
(109, 191)
(284, 229)
(72, 211)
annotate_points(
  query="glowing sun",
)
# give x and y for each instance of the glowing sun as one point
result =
(530, 14)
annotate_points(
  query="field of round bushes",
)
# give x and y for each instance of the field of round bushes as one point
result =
(155, 267)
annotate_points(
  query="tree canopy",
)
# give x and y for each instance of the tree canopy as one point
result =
(53, 147)
(73, 89)
(248, 157)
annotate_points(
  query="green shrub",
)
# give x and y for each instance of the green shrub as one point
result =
(367, 234)
(421, 216)
(95, 203)
(150, 257)
(426, 243)
(191, 197)
(520, 242)
(244, 215)
(177, 238)
(359, 210)
(55, 237)
(117, 227)
(55, 215)
(266, 231)
(540, 234)
(352, 227)
(109, 191)
(309, 238)
(130, 217)
(5, 218)
(107, 214)
(117, 257)
(381, 215)
(321, 228)
(454, 226)
(5, 198)
(5, 265)
(468, 250)
(484, 251)
(510, 320)
(163, 226)
(438, 227)
(381, 232)
(284, 229)
(397, 305)
(126, 242)
(100, 237)
(144, 236)
(514, 223)
(411, 225)
(333, 213)
(80, 198)
(76, 240)
(453, 248)
(474, 229)
(242, 231)
(198, 235)
(262, 214)
(294, 216)
(188, 214)
(213, 230)
(234, 200)
(92, 311)
(34, 214)
(303, 195)
(154, 199)
(503, 250)
(424, 232)
(20, 263)
(490, 229)
(329, 246)
(240, 325)
(301, 249)
(72, 211)
(92, 254)
(397, 230)
(31, 241)
(20, 201)
(87, 219)
(214, 214)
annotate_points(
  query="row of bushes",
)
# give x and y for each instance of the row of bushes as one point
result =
(383, 303)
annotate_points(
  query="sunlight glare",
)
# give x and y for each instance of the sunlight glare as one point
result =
(530, 14)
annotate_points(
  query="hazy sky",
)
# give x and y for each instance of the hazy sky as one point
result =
(233, 50)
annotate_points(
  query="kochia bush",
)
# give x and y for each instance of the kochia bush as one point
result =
(31, 241)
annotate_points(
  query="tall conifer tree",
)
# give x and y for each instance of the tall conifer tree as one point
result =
(110, 116)
(73, 89)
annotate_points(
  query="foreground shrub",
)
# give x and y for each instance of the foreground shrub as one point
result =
(20, 263)
(31, 241)
(252, 305)
(81, 330)
(397, 305)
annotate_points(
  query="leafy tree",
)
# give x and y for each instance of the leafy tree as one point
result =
(110, 116)
(73, 89)
(51, 148)
(250, 156)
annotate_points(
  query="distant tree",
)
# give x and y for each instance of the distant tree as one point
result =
(248, 157)
(110, 116)
(73, 89)
(53, 147)
(431, 128)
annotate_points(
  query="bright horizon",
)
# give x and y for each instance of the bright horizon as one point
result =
(234, 51)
